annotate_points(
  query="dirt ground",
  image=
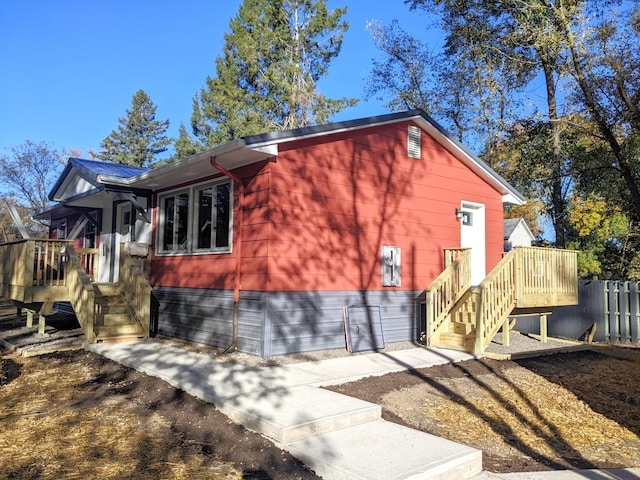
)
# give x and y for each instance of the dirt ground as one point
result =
(76, 414)
(563, 411)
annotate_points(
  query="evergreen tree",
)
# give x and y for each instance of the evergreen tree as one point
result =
(184, 145)
(139, 137)
(267, 76)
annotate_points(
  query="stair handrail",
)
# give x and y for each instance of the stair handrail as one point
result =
(496, 300)
(136, 289)
(81, 293)
(446, 290)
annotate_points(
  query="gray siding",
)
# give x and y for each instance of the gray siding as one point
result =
(306, 321)
(205, 316)
(279, 323)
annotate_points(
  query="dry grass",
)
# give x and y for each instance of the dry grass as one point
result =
(515, 414)
(51, 427)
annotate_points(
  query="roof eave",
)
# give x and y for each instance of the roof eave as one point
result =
(230, 155)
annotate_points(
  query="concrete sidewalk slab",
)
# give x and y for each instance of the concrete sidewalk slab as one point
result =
(386, 451)
(291, 414)
(349, 369)
(605, 474)
(206, 378)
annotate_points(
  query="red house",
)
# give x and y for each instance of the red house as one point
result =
(261, 243)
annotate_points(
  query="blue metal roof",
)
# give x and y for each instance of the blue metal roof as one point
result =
(95, 167)
(90, 169)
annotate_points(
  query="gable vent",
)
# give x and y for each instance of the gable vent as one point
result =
(413, 142)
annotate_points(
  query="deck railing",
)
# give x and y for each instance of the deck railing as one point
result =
(446, 290)
(496, 299)
(526, 278)
(89, 258)
(81, 294)
(136, 288)
(33, 270)
(546, 276)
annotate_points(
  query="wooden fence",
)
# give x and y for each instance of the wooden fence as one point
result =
(613, 307)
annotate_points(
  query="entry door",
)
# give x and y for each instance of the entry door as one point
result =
(472, 235)
(124, 233)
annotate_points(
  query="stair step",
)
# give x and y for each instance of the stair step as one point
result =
(110, 300)
(461, 328)
(116, 330)
(386, 451)
(456, 341)
(113, 308)
(107, 289)
(108, 319)
(119, 339)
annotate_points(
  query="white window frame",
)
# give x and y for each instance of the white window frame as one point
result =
(192, 219)
(62, 227)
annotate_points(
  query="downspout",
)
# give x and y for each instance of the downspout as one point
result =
(236, 288)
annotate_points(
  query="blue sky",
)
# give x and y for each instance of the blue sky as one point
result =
(70, 68)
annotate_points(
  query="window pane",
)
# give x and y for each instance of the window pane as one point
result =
(205, 202)
(182, 219)
(169, 212)
(223, 194)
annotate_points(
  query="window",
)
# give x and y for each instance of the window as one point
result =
(89, 237)
(197, 219)
(61, 230)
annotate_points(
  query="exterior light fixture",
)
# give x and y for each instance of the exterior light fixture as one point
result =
(458, 213)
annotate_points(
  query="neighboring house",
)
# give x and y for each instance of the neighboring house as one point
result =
(262, 242)
(517, 234)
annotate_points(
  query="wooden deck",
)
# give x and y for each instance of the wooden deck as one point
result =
(37, 273)
(527, 280)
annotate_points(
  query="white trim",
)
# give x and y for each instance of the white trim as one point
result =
(475, 238)
(192, 216)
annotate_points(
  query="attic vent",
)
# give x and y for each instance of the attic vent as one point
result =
(413, 142)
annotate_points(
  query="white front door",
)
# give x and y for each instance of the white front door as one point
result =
(123, 233)
(472, 235)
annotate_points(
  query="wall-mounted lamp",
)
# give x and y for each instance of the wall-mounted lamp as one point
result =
(458, 214)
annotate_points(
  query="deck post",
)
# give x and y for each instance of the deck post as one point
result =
(41, 324)
(29, 318)
(543, 327)
(506, 335)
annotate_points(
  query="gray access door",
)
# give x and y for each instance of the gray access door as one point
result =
(363, 327)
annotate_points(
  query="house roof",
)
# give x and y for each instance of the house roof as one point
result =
(90, 170)
(254, 148)
(510, 225)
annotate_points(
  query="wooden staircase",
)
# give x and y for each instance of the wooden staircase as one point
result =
(462, 317)
(41, 272)
(113, 319)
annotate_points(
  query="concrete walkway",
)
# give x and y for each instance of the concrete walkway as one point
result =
(337, 436)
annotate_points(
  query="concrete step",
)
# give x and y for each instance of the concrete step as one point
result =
(290, 414)
(386, 451)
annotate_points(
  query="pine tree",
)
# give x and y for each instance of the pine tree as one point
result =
(267, 77)
(139, 137)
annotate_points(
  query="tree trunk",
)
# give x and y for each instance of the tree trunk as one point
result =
(558, 204)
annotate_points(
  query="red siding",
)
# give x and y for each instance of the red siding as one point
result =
(317, 216)
(217, 271)
(334, 204)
